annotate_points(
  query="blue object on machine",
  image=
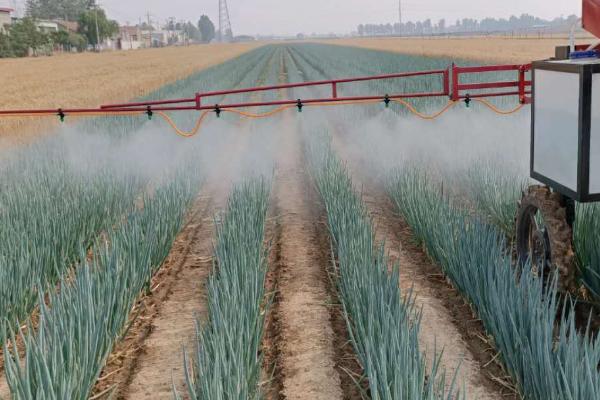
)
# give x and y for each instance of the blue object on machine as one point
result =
(576, 55)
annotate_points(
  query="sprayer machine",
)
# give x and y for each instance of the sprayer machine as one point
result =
(564, 94)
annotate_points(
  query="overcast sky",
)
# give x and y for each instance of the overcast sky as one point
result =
(323, 16)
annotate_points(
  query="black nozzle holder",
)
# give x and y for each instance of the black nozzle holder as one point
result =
(387, 100)
(299, 105)
(218, 110)
(149, 112)
(61, 115)
(468, 100)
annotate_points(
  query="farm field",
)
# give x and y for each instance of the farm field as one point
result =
(491, 49)
(338, 253)
(90, 79)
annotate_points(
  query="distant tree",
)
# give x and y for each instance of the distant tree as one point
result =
(60, 38)
(55, 9)
(523, 22)
(192, 32)
(207, 29)
(5, 46)
(87, 26)
(69, 40)
(25, 36)
(442, 26)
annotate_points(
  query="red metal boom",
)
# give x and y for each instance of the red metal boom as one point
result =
(451, 87)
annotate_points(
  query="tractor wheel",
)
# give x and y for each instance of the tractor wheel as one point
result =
(545, 235)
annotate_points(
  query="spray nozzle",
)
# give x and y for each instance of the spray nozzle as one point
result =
(218, 110)
(149, 113)
(299, 105)
(61, 115)
(387, 101)
(468, 100)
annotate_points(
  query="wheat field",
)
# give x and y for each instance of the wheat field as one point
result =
(89, 79)
(486, 49)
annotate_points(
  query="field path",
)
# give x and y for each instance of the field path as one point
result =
(174, 324)
(306, 336)
(447, 323)
(159, 355)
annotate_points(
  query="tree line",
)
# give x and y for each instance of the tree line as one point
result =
(23, 37)
(466, 25)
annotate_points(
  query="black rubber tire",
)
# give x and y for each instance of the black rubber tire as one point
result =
(553, 208)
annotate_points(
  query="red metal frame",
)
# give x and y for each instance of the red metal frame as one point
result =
(460, 90)
(334, 92)
(591, 16)
(452, 89)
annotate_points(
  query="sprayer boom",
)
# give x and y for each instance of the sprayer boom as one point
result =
(450, 81)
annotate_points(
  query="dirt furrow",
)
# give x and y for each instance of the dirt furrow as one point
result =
(166, 317)
(448, 323)
(306, 338)
(158, 364)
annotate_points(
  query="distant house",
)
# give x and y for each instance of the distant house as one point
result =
(69, 26)
(47, 26)
(146, 38)
(130, 38)
(5, 18)
(160, 38)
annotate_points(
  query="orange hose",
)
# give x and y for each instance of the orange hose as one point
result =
(198, 125)
(264, 115)
(496, 109)
(180, 132)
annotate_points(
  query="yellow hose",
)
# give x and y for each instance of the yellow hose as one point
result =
(419, 114)
(496, 109)
(180, 132)
(264, 115)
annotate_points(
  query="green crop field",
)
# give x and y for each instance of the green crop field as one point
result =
(349, 252)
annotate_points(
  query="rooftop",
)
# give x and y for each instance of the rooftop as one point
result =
(68, 25)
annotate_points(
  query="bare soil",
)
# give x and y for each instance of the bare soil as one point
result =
(305, 337)
(148, 362)
(448, 322)
(142, 363)
(306, 346)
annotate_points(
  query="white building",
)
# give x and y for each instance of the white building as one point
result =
(47, 26)
(160, 38)
(5, 17)
(130, 38)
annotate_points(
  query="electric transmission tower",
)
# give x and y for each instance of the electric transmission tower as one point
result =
(225, 32)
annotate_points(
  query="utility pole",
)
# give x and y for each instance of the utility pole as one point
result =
(97, 30)
(400, 15)
(149, 18)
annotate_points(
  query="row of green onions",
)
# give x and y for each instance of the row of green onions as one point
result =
(80, 321)
(383, 323)
(226, 362)
(514, 306)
